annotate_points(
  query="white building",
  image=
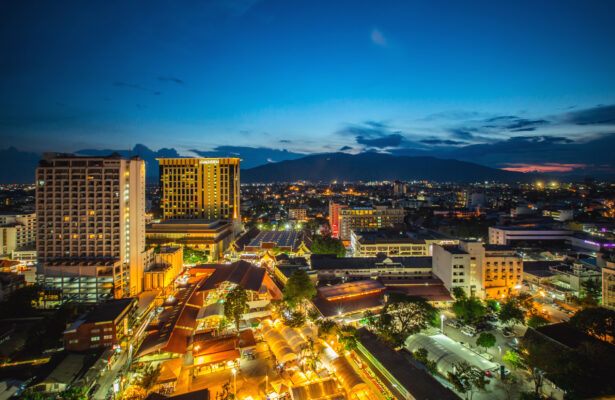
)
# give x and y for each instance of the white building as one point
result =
(452, 265)
(17, 231)
(506, 235)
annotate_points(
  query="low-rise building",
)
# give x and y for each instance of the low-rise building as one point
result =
(349, 301)
(608, 285)
(167, 265)
(17, 231)
(509, 235)
(297, 214)
(452, 265)
(391, 243)
(210, 236)
(344, 269)
(105, 326)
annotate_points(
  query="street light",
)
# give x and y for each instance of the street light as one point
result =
(442, 318)
(234, 371)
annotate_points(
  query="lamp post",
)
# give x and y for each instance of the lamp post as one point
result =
(234, 382)
(442, 318)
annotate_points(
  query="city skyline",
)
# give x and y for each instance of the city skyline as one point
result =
(496, 84)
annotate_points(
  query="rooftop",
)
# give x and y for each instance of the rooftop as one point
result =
(109, 310)
(455, 250)
(350, 289)
(330, 261)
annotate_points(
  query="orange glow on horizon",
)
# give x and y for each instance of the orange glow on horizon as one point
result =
(548, 167)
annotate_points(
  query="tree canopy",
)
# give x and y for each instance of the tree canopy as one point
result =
(598, 322)
(299, 287)
(401, 318)
(486, 340)
(327, 245)
(511, 312)
(469, 309)
(236, 305)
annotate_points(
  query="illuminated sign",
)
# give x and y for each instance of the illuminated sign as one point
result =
(209, 162)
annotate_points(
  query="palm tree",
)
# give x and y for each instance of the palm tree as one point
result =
(149, 377)
(311, 353)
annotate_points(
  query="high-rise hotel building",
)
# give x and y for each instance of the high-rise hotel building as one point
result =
(91, 226)
(200, 188)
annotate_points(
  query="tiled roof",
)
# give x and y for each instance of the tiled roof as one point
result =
(243, 273)
(329, 261)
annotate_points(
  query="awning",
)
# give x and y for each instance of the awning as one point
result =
(225, 356)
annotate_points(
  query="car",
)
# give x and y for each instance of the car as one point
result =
(508, 332)
(488, 374)
(468, 331)
(453, 323)
(483, 327)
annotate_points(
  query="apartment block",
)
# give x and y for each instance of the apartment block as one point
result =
(452, 265)
(91, 225)
(345, 219)
(297, 214)
(17, 232)
(200, 188)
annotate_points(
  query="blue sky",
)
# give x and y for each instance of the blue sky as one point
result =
(424, 77)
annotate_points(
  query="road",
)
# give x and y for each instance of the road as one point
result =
(554, 314)
(107, 379)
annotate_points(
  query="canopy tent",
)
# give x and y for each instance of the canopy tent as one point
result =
(317, 390)
(308, 331)
(293, 338)
(445, 352)
(351, 381)
(278, 345)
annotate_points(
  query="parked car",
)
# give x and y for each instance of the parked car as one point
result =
(453, 323)
(491, 317)
(468, 331)
(508, 332)
(483, 326)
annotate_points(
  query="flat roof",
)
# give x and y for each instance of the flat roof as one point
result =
(330, 261)
(455, 250)
(336, 292)
(109, 310)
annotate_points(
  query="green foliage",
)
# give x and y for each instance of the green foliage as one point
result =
(422, 355)
(236, 305)
(299, 288)
(149, 377)
(194, 256)
(296, 319)
(402, 318)
(535, 321)
(511, 312)
(459, 293)
(492, 305)
(347, 337)
(226, 392)
(75, 393)
(20, 303)
(592, 288)
(467, 379)
(513, 360)
(328, 245)
(486, 340)
(469, 309)
(326, 328)
(311, 352)
(599, 322)
(313, 315)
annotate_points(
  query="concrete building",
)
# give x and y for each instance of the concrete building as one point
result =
(210, 236)
(608, 285)
(91, 224)
(507, 235)
(332, 268)
(495, 271)
(297, 214)
(200, 188)
(345, 219)
(452, 265)
(105, 326)
(17, 232)
(391, 243)
(167, 265)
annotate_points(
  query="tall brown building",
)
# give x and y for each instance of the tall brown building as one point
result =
(200, 188)
(91, 225)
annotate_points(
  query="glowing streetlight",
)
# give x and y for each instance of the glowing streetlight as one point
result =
(442, 318)
(234, 371)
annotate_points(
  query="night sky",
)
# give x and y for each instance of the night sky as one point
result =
(519, 85)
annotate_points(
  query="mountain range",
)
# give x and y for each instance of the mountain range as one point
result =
(373, 166)
(18, 166)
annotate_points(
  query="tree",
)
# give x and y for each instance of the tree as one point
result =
(511, 312)
(299, 288)
(347, 337)
(134, 393)
(492, 305)
(592, 288)
(598, 322)
(296, 319)
(226, 392)
(469, 309)
(466, 379)
(459, 293)
(328, 245)
(75, 393)
(486, 340)
(313, 315)
(513, 360)
(21, 302)
(525, 301)
(402, 318)
(149, 377)
(236, 305)
(326, 329)
(311, 352)
(422, 355)
(536, 320)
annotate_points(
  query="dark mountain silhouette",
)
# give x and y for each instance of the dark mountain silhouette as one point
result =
(376, 166)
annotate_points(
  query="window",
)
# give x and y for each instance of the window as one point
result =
(108, 337)
(95, 338)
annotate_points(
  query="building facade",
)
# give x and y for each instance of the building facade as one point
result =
(297, 214)
(167, 265)
(91, 217)
(370, 243)
(608, 285)
(452, 265)
(365, 218)
(200, 188)
(17, 232)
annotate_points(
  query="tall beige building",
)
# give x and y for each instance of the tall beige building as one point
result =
(17, 231)
(91, 225)
(200, 188)
(367, 218)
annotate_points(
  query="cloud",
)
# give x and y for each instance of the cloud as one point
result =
(392, 140)
(599, 115)
(546, 167)
(345, 148)
(378, 38)
(170, 79)
(136, 86)
(285, 141)
(447, 142)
